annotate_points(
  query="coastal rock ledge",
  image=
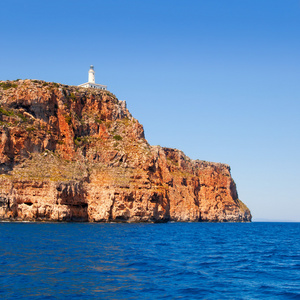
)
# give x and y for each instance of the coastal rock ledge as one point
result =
(75, 154)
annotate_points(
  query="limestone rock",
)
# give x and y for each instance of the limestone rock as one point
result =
(77, 154)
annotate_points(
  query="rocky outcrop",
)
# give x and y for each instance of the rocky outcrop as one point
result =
(76, 154)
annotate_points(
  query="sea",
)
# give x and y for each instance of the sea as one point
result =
(150, 261)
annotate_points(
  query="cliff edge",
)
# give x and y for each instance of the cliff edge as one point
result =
(75, 154)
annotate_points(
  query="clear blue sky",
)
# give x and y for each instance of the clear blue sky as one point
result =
(217, 79)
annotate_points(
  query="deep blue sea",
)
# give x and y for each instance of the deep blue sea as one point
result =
(150, 261)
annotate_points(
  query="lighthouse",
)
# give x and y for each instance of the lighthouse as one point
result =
(92, 74)
(91, 82)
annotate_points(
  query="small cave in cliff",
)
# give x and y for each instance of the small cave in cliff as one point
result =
(121, 218)
(129, 198)
(81, 205)
(155, 198)
(27, 108)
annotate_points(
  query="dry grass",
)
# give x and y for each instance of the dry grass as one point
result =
(48, 166)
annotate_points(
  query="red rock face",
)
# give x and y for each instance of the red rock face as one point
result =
(76, 154)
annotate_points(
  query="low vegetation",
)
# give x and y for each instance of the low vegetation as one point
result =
(72, 97)
(68, 119)
(7, 85)
(30, 129)
(49, 166)
(117, 137)
(5, 112)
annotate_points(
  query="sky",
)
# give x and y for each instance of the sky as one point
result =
(216, 79)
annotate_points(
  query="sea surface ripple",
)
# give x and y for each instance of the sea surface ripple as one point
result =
(150, 261)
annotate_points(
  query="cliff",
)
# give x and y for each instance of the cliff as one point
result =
(76, 154)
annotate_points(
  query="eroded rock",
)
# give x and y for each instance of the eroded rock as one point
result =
(76, 154)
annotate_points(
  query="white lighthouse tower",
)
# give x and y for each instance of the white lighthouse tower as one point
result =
(91, 83)
(92, 74)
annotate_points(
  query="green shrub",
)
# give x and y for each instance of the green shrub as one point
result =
(6, 112)
(117, 137)
(68, 119)
(55, 84)
(23, 118)
(7, 85)
(72, 97)
(81, 140)
(77, 140)
(30, 129)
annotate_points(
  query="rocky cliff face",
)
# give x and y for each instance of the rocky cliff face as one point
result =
(76, 154)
